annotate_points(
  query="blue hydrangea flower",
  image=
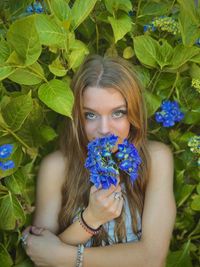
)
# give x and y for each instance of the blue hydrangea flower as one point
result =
(104, 170)
(169, 114)
(6, 150)
(36, 7)
(9, 164)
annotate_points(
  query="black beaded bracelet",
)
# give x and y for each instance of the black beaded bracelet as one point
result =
(87, 227)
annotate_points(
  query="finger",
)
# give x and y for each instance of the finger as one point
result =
(26, 230)
(36, 230)
(107, 192)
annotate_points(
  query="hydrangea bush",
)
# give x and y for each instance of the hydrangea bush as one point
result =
(42, 43)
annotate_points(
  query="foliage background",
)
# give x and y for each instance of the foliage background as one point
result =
(38, 56)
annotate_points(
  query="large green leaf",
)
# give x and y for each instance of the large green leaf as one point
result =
(58, 96)
(182, 55)
(28, 76)
(120, 26)
(5, 258)
(80, 11)
(113, 5)
(50, 33)
(189, 22)
(23, 36)
(11, 212)
(146, 50)
(17, 110)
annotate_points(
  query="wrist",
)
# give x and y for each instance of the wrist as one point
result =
(67, 255)
(90, 220)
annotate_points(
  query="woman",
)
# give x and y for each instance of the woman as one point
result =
(133, 230)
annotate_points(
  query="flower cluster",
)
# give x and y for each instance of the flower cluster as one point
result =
(104, 166)
(194, 144)
(36, 7)
(169, 114)
(196, 84)
(163, 23)
(5, 152)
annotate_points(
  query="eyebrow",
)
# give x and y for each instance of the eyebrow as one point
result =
(118, 107)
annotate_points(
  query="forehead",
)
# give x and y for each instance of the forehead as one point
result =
(95, 97)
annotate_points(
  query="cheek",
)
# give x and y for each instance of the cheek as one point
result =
(89, 130)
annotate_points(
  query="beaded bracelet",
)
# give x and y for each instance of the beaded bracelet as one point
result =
(79, 259)
(86, 227)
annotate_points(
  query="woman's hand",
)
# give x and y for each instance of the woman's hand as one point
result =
(46, 249)
(104, 205)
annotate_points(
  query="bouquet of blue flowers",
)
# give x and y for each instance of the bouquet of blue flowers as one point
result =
(104, 166)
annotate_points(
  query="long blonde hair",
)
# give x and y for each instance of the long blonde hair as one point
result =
(97, 71)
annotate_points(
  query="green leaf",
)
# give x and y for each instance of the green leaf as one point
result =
(195, 71)
(50, 33)
(180, 258)
(182, 55)
(151, 8)
(5, 71)
(29, 132)
(183, 193)
(23, 37)
(113, 5)
(61, 9)
(11, 212)
(166, 53)
(153, 102)
(143, 75)
(198, 188)
(146, 50)
(192, 117)
(57, 68)
(195, 205)
(47, 133)
(5, 51)
(120, 26)
(17, 110)
(81, 10)
(28, 76)
(128, 52)
(5, 258)
(78, 52)
(58, 96)
(189, 22)
(16, 182)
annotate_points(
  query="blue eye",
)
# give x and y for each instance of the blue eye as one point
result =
(119, 113)
(90, 116)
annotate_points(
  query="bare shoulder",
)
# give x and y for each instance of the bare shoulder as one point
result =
(161, 158)
(158, 149)
(53, 167)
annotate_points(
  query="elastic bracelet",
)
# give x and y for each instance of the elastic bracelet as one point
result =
(86, 227)
(79, 258)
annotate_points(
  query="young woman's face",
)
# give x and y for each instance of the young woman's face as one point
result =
(105, 112)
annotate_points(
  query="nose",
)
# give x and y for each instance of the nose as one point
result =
(104, 126)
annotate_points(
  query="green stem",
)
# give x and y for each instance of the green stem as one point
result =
(49, 5)
(97, 37)
(138, 8)
(174, 85)
(156, 80)
(15, 136)
(151, 81)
